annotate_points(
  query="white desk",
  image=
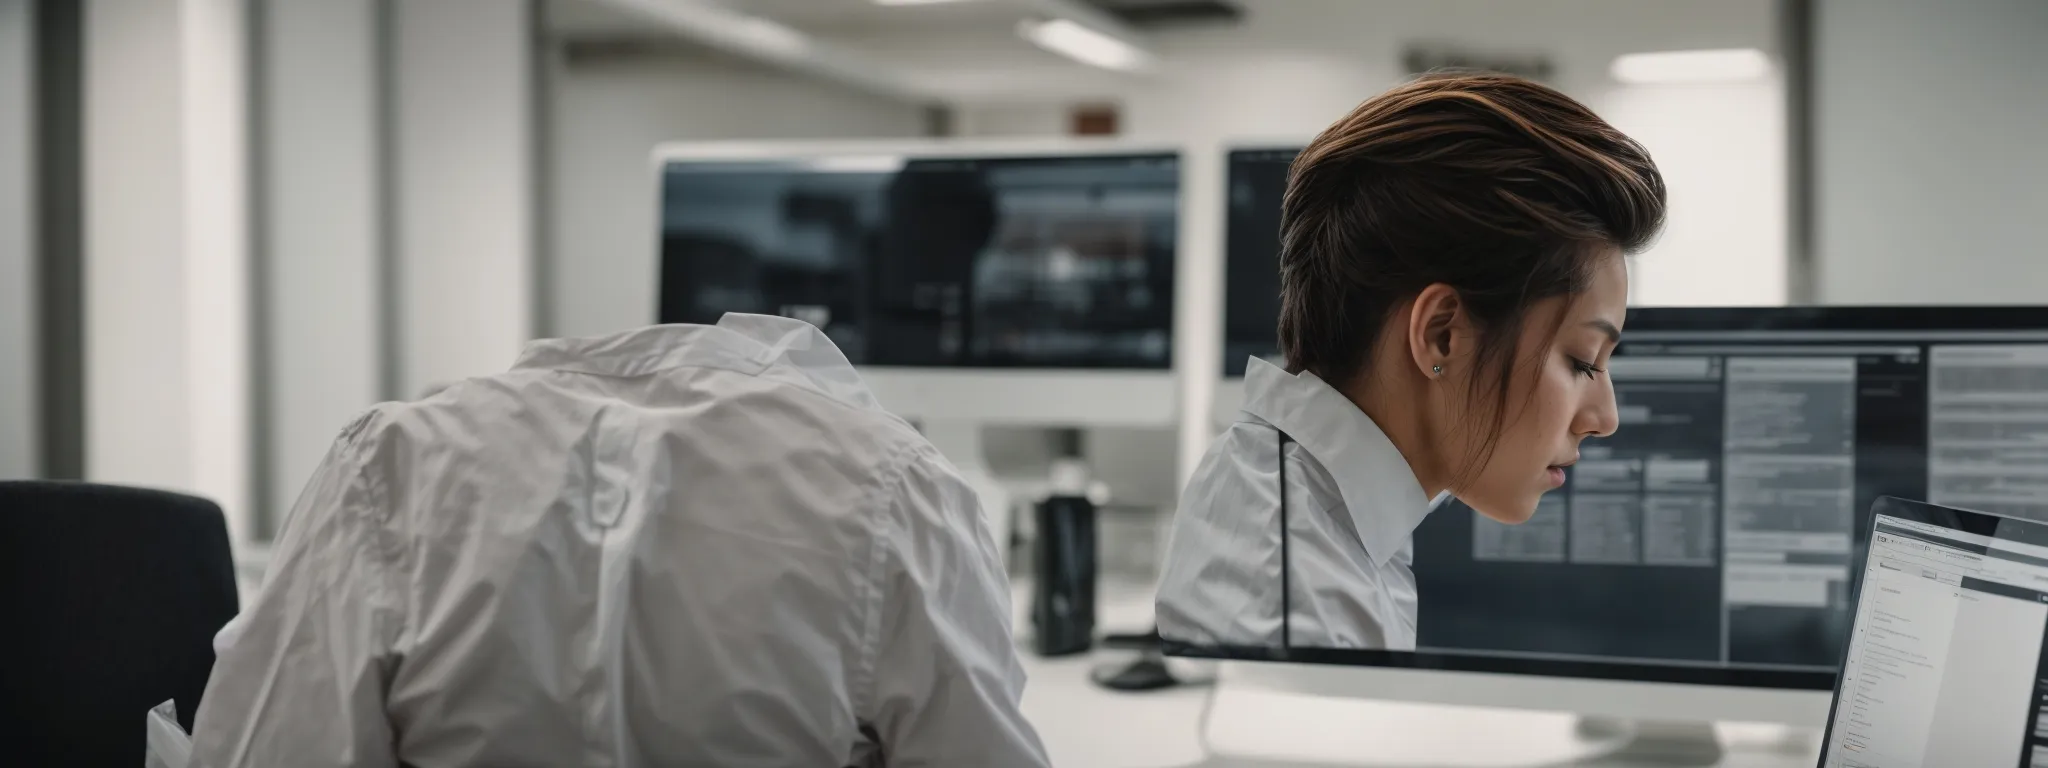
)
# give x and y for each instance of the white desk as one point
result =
(1087, 726)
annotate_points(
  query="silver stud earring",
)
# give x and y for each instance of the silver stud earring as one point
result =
(1436, 370)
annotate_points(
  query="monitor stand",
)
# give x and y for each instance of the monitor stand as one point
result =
(1650, 743)
(960, 442)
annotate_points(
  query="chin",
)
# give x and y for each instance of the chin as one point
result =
(1513, 512)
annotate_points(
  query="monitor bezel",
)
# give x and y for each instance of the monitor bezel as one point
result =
(1952, 518)
(1658, 322)
(801, 151)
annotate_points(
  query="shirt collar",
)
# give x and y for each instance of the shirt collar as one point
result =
(749, 344)
(1385, 500)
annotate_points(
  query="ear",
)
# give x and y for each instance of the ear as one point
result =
(1436, 322)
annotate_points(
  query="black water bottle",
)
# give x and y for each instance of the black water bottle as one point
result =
(1063, 605)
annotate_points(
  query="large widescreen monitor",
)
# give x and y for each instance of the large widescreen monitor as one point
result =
(1024, 283)
(1060, 261)
(1710, 539)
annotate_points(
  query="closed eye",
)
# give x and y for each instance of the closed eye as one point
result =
(1586, 369)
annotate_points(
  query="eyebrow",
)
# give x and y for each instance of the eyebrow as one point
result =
(1613, 333)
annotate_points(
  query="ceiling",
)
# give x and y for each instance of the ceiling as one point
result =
(825, 18)
(923, 51)
(968, 51)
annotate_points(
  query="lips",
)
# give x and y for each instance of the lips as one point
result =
(1555, 472)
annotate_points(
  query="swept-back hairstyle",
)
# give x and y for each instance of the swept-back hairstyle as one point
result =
(1499, 187)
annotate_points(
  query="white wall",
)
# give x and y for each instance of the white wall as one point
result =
(998, 120)
(608, 115)
(166, 310)
(464, 156)
(217, 281)
(20, 430)
(1931, 150)
(1722, 149)
(322, 356)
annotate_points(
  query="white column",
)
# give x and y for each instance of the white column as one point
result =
(464, 93)
(166, 267)
(20, 430)
(318, 112)
(1198, 302)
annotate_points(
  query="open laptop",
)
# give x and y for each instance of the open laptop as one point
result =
(1946, 663)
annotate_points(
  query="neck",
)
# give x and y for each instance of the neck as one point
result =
(1399, 405)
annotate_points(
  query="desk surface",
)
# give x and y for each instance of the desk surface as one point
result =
(1087, 726)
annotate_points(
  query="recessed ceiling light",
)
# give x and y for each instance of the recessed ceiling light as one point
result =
(1712, 66)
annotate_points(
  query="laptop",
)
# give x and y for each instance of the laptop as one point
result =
(1946, 664)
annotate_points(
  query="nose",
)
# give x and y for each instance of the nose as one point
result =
(1600, 415)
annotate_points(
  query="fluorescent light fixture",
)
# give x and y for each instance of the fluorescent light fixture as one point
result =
(1083, 44)
(1713, 66)
(769, 38)
(857, 164)
(730, 29)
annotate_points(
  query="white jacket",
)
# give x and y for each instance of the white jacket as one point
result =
(678, 546)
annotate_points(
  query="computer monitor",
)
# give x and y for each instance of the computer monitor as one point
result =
(994, 282)
(1707, 545)
(1255, 179)
(778, 236)
(1946, 664)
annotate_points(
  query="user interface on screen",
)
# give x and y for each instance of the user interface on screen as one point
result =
(1062, 262)
(1946, 664)
(1716, 525)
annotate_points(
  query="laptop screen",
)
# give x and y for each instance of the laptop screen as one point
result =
(1946, 662)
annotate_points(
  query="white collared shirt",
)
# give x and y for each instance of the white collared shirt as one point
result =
(682, 545)
(1353, 505)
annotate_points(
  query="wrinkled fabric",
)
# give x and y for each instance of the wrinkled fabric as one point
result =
(1353, 505)
(677, 546)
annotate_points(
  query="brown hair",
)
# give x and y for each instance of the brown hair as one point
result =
(1501, 188)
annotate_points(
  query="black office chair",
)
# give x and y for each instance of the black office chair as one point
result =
(111, 597)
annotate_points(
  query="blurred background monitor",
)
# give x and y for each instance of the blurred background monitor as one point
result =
(792, 237)
(1028, 262)
(951, 273)
(1257, 179)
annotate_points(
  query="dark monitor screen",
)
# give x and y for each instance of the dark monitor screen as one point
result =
(1042, 262)
(1257, 179)
(771, 237)
(1710, 539)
